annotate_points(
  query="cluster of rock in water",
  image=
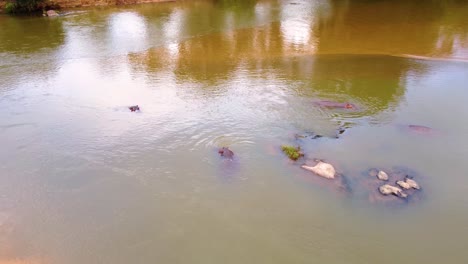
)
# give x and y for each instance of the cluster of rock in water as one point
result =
(401, 187)
(386, 183)
(389, 183)
(399, 183)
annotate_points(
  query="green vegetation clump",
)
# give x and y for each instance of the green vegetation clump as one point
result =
(292, 152)
(23, 6)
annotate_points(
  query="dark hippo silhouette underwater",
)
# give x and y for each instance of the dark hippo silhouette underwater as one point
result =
(419, 130)
(229, 165)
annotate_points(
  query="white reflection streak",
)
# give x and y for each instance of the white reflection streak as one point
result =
(173, 27)
(262, 11)
(297, 25)
(128, 28)
(296, 32)
(172, 32)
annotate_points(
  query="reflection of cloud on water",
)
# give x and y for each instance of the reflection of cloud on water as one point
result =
(128, 30)
(297, 25)
(262, 12)
(296, 32)
(173, 27)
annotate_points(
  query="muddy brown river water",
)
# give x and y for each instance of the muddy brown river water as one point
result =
(85, 180)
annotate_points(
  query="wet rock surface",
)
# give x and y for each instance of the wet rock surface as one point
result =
(307, 135)
(51, 13)
(408, 183)
(322, 169)
(384, 186)
(312, 135)
(380, 174)
(388, 189)
(391, 193)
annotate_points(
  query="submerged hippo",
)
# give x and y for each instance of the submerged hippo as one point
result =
(225, 152)
(419, 128)
(333, 104)
(134, 108)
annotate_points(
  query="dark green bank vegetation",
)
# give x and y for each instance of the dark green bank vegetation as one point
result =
(28, 6)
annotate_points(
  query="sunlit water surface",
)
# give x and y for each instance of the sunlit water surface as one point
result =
(84, 180)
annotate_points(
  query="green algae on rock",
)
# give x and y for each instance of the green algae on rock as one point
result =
(294, 153)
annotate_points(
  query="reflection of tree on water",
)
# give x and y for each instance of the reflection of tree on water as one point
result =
(429, 28)
(374, 83)
(30, 34)
(343, 27)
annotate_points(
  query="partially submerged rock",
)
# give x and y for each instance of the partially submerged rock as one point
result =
(294, 153)
(390, 193)
(388, 189)
(340, 131)
(310, 135)
(322, 169)
(226, 153)
(51, 13)
(408, 184)
(382, 175)
(134, 108)
(373, 172)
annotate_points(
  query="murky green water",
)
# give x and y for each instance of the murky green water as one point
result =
(84, 180)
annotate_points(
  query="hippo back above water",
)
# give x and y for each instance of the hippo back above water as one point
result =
(333, 104)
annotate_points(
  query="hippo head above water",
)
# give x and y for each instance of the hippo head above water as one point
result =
(349, 106)
(134, 108)
(226, 152)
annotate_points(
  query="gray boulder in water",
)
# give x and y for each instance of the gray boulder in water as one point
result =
(322, 169)
(408, 184)
(389, 189)
(380, 174)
